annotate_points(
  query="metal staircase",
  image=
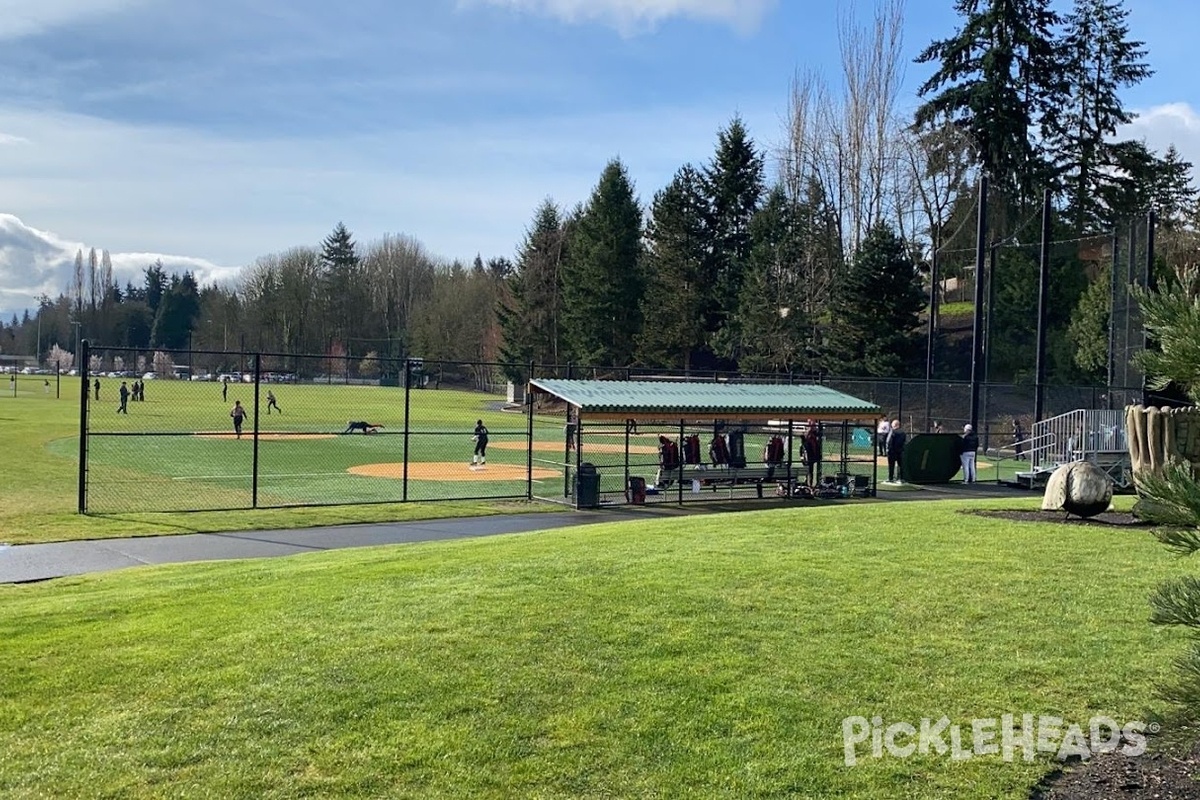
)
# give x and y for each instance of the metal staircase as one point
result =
(1095, 435)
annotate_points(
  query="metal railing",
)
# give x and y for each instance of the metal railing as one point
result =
(1080, 435)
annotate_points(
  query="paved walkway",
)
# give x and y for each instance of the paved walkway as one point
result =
(37, 562)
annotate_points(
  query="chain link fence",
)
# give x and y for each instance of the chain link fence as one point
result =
(161, 430)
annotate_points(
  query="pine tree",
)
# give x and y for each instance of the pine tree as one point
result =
(874, 314)
(1100, 60)
(345, 294)
(770, 331)
(1088, 331)
(1000, 78)
(530, 308)
(1172, 499)
(602, 280)
(674, 304)
(733, 182)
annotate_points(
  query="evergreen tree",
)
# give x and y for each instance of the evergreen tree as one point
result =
(530, 308)
(733, 182)
(677, 250)
(603, 282)
(341, 280)
(177, 312)
(1099, 60)
(874, 314)
(770, 331)
(1012, 340)
(156, 285)
(1172, 499)
(1174, 193)
(1000, 78)
(1088, 331)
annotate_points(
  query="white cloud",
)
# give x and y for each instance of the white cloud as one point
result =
(35, 262)
(460, 189)
(6, 138)
(1163, 125)
(25, 17)
(634, 16)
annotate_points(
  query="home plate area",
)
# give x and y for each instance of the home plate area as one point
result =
(451, 471)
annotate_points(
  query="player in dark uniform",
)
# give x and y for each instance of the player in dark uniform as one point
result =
(365, 427)
(481, 440)
(271, 402)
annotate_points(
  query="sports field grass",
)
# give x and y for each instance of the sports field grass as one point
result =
(137, 482)
(702, 657)
(135, 478)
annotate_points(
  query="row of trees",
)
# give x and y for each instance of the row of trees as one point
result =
(811, 256)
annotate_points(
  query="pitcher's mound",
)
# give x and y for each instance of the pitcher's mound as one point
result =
(451, 471)
(263, 437)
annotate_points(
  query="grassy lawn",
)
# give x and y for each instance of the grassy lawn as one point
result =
(703, 657)
(39, 444)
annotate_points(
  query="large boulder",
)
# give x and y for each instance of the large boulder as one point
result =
(1080, 488)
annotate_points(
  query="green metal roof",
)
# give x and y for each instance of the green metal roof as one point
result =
(683, 397)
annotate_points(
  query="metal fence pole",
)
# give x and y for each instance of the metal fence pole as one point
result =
(57, 381)
(254, 465)
(407, 408)
(680, 465)
(1043, 308)
(981, 235)
(529, 436)
(83, 426)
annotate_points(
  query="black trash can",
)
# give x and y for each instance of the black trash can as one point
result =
(587, 486)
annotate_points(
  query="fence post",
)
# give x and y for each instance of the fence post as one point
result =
(407, 406)
(57, 380)
(254, 465)
(83, 425)
(529, 435)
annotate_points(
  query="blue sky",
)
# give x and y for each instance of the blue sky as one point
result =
(229, 129)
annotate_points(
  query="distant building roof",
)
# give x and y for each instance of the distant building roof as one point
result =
(682, 399)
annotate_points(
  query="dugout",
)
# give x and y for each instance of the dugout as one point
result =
(691, 441)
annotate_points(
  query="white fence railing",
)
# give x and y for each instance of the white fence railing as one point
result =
(1080, 435)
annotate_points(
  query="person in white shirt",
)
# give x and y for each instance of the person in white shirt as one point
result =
(881, 435)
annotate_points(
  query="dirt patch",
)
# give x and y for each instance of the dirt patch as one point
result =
(451, 471)
(1108, 519)
(588, 447)
(1116, 776)
(264, 437)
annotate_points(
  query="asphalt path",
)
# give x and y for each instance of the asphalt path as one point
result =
(38, 562)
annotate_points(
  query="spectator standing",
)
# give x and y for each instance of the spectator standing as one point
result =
(881, 434)
(967, 445)
(811, 444)
(1018, 439)
(124, 393)
(896, 439)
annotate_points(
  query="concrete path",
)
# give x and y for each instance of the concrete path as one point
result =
(37, 562)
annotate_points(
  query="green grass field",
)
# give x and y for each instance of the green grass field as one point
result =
(147, 466)
(137, 483)
(713, 656)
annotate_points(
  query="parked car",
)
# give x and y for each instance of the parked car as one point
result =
(149, 376)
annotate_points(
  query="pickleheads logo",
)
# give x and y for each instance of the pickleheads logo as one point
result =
(992, 736)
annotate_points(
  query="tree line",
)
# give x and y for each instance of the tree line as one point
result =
(811, 255)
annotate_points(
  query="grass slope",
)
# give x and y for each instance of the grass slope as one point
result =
(647, 659)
